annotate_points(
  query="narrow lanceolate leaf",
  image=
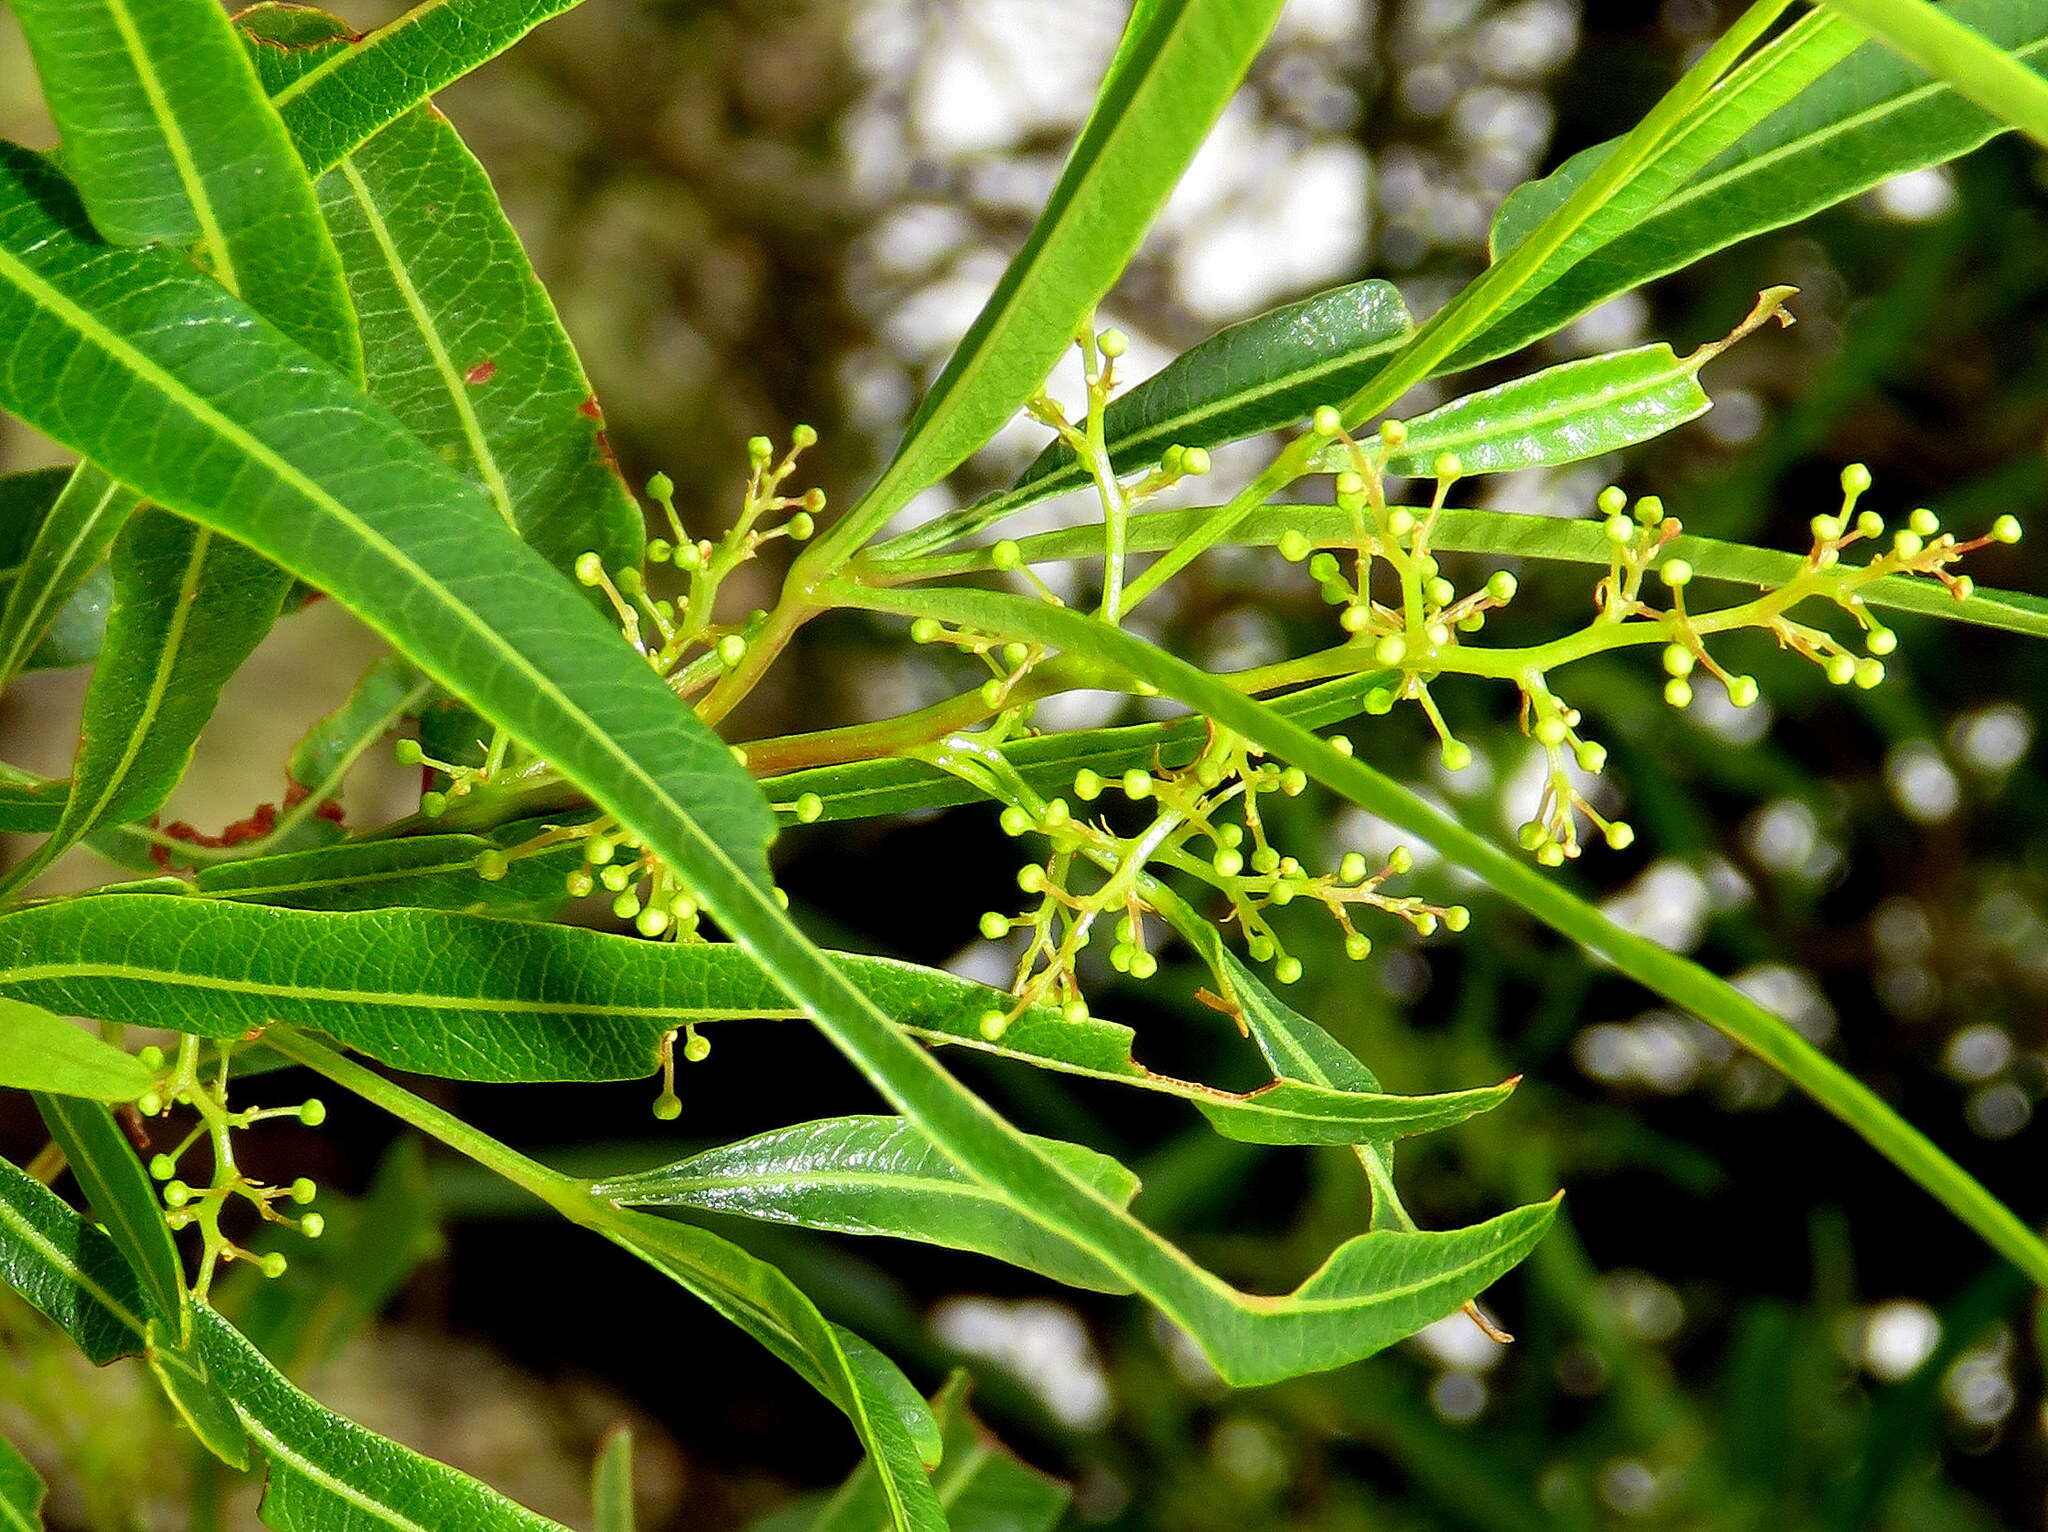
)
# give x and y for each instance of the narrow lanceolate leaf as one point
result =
(979, 1483)
(172, 141)
(181, 1371)
(228, 421)
(435, 872)
(123, 1199)
(611, 1483)
(327, 1474)
(479, 999)
(31, 805)
(40, 1051)
(353, 94)
(236, 427)
(460, 339)
(1563, 414)
(838, 1364)
(1812, 120)
(21, 1491)
(1678, 979)
(1954, 52)
(388, 691)
(1266, 372)
(878, 1175)
(55, 530)
(1181, 61)
(188, 608)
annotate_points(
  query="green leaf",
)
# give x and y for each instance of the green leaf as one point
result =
(436, 872)
(466, 997)
(981, 1486)
(236, 427)
(181, 1372)
(461, 341)
(188, 609)
(611, 1482)
(1263, 373)
(291, 461)
(172, 140)
(1678, 979)
(31, 805)
(123, 1197)
(353, 94)
(1563, 414)
(878, 1175)
(1810, 121)
(1179, 64)
(64, 523)
(387, 692)
(42, 1052)
(838, 1364)
(21, 1491)
(1951, 50)
(327, 1474)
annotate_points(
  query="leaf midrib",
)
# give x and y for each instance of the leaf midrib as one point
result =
(189, 174)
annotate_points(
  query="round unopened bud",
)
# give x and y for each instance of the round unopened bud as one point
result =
(1400, 521)
(273, 1264)
(1650, 510)
(732, 648)
(1855, 479)
(1355, 618)
(2006, 529)
(1620, 529)
(1357, 946)
(653, 921)
(1087, 785)
(312, 1113)
(1137, 783)
(809, 808)
(760, 449)
(801, 526)
(994, 1024)
(1870, 524)
(433, 805)
(995, 926)
(1550, 854)
(1550, 731)
(626, 906)
(1924, 521)
(1228, 862)
(1379, 701)
(1591, 755)
(661, 487)
(667, 1107)
(1394, 433)
(492, 865)
(1323, 566)
(1742, 691)
(1501, 586)
(589, 569)
(1400, 861)
(1031, 878)
(1143, 965)
(1293, 782)
(313, 1225)
(802, 436)
(1195, 462)
(1006, 555)
(162, 1166)
(1294, 545)
(1390, 650)
(1442, 592)
(1840, 669)
(1620, 835)
(1869, 673)
(1352, 867)
(1326, 421)
(1676, 573)
(1881, 641)
(1456, 754)
(1448, 465)
(1014, 821)
(1908, 544)
(696, 1047)
(659, 550)
(407, 752)
(1826, 528)
(1074, 1012)
(1114, 343)
(1612, 501)
(1288, 969)
(303, 1190)
(150, 1056)
(579, 884)
(1678, 692)
(926, 630)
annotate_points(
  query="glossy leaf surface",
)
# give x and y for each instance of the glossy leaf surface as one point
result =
(327, 1474)
(877, 1175)
(55, 530)
(21, 1491)
(42, 1052)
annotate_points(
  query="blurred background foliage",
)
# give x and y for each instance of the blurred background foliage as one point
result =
(755, 212)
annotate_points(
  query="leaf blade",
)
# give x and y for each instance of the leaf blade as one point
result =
(43, 1052)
